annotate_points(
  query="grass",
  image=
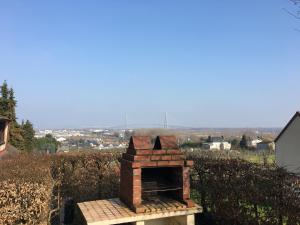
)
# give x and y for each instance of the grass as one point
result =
(260, 158)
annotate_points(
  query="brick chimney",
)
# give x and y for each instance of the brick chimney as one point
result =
(149, 172)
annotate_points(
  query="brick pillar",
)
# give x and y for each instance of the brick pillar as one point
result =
(126, 184)
(186, 183)
(137, 187)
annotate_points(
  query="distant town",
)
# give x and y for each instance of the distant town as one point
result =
(88, 138)
(208, 139)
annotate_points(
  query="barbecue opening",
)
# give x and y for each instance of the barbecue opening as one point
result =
(161, 182)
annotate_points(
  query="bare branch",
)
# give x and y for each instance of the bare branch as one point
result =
(296, 2)
(292, 14)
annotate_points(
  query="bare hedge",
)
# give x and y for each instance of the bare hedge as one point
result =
(233, 191)
(25, 190)
(238, 192)
(84, 177)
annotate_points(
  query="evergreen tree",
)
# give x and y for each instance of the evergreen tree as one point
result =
(12, 103)
(20, 136)
(16, 135)
(209, 139)
(47, 144)
(4, 111)
(28, 136)
(243, 142)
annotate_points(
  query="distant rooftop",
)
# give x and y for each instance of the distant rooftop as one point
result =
(216, 139)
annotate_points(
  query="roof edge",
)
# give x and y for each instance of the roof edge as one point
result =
(286, 126)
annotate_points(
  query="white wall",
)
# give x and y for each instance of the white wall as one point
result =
(217, 145)
(164, 221)
(2, 147)
(288, 147)
(178, 220)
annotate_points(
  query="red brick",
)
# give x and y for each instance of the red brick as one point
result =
(137, 190)
(174, 152)
(137, 183)
(148, 164)
(178, 157)
(186, 196)
(186, 191)
(137, 177)
(163, 163)
(176, 163)
(136, 165)
(159, 152)
(156, 157)
(166, 157)
(144, 152)
(136, 201)
(141, 158)
(186, 170)
(190, 203)
(189, 163)
(137, 172)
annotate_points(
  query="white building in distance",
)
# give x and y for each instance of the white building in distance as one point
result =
(253, 143)
(288, 145)
(216, 143)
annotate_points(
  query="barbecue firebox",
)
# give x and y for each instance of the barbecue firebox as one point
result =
(150, 174)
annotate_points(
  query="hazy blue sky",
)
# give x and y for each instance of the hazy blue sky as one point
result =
(207, 63)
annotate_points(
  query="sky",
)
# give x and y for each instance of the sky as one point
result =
(76, 64)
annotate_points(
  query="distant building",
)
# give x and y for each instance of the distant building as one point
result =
(265, 145)
(216, 143)
(288, 145)
(253, 143)
(61, 139)
(4, 122)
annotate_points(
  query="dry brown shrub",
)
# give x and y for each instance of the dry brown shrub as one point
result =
(239, 192)
(85, 177)
(25, 190)
(32, 187)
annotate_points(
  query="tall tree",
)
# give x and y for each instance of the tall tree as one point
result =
(243, 142)
(20, 136)
(47, 144)
(4, 99)
(209, 139)
(12, 103)
(28, 135)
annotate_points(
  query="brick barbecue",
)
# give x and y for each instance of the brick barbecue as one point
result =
(150, 173)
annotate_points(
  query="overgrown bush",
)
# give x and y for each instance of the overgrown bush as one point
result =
(25, 190)
(84, 177)
(32, 187)
(237, 192)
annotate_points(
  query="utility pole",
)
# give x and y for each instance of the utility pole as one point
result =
(166, 121)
